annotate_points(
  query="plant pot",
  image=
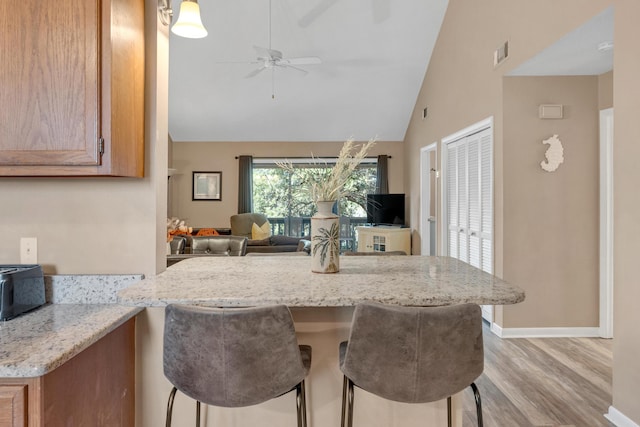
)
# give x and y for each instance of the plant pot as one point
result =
(325, 239)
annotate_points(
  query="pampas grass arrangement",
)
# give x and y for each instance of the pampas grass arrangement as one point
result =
(328, 184)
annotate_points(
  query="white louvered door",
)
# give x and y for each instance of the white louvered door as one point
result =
(469, 192)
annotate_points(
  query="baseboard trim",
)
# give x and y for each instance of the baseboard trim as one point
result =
(496, 329)
(545, 332)
(619, 419)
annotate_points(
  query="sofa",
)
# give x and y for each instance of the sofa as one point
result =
(242, 224)
(219, 245)
(273, 244)
(205, 246)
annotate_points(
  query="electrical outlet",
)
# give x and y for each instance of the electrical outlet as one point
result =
(28, 250)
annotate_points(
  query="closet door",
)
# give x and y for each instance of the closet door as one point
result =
(469, 192)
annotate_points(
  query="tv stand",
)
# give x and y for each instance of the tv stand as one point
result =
(383, 238)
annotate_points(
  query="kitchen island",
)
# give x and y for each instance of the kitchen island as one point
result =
(322, 305)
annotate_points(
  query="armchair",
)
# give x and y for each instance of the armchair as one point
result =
(241, 223)
(219, 245)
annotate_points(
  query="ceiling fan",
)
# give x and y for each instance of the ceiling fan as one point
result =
(269, 58)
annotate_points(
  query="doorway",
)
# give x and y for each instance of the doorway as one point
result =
(428, 195)
(606, 223)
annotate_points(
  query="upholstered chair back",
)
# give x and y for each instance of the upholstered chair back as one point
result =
(233, 357)
(414, 354)
(219, 245)
(241, 223)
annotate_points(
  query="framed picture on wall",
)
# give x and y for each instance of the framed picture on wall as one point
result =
(207, 186)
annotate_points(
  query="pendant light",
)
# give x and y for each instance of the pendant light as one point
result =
(189, 23)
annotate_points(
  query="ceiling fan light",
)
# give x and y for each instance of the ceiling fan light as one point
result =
(189, 24)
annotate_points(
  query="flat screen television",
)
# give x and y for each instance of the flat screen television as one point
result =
(385, 209)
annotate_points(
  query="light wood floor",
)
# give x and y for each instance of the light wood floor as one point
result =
(543, 382)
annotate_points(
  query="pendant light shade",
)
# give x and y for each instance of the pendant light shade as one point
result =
(189, 23)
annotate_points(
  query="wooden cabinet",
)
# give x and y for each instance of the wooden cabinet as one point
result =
(384, 239)
(13, 399)
(94, 388)
(72, 88)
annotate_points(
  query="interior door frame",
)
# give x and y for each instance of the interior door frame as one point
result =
(606, 223)
(425, 196)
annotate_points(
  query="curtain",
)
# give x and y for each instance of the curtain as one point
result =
(382, 175)
(245, 184)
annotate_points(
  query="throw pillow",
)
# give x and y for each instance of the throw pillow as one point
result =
(207, 232)
(259, 233)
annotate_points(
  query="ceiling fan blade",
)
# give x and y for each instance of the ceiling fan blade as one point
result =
(294, 67)
(263, 52)
(306, 60)
(255, 72)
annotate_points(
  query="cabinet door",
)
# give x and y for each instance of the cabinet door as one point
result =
(72, 88)
(365, 242)
(13, 405)
(49, 90)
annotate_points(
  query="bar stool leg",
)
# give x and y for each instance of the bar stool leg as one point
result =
(449, 411)
(197, 413)
(172, 396)
(350, 403)
(476, 394)
(344, 401)
(301, 404)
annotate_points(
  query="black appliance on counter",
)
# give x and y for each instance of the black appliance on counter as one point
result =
(21, 289)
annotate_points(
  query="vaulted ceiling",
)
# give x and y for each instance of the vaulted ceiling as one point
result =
(587, 50)
(374, 56)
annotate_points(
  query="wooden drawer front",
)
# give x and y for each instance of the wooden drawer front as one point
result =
(13, 405)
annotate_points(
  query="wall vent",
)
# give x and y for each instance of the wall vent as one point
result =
(501, 54)
(550, 111)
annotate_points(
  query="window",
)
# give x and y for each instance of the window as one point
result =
(279, 195)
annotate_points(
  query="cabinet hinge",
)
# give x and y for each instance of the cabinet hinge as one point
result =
(101, 146)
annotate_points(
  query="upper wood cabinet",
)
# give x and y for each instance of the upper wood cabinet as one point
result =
(72, 88)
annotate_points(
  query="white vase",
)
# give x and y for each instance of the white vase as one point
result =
(325, 239)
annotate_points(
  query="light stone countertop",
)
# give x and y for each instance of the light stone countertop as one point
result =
(87, 288)
(81, 310)
(244, 281)
(38, 342)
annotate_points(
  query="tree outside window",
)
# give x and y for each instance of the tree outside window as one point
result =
(278, 193)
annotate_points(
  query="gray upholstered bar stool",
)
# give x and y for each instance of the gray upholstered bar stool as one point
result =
(412, 354)
(234, 357)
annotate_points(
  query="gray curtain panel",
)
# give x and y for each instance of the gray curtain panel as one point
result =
(245, 184)
(382, 175)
